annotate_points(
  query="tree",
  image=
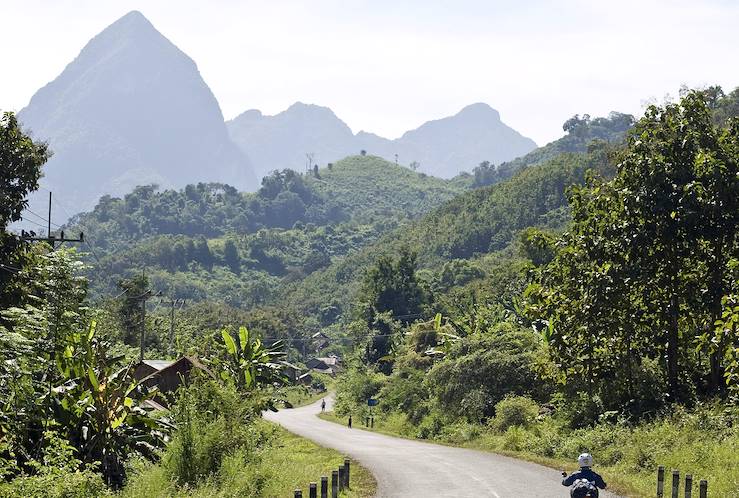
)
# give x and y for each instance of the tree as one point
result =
(393, 296)
(486, 174)
(20, 169)
(20, 159)
(128, 307)
(644, 267)
(392, 286)
(678, 180)
(97, 405)
(537, 245)
(250, 364)
(231, 256)
(202, 252)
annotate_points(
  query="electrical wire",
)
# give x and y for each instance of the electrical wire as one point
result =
(42, 218)
(33, 222)
(92, 250)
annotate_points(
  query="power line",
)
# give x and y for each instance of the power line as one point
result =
(33, 222)
(41, 218)
(92, 250)
(85, 227)
(50, 239)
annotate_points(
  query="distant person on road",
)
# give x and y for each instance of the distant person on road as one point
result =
(323, 405)
(350, 421)
(583, 477)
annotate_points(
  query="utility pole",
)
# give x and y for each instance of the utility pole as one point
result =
(172, 303)
(51, 239)
(148, 294)
(309, 162)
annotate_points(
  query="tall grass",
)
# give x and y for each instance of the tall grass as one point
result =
(286, 463)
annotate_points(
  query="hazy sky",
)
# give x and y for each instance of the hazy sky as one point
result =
(387, 66)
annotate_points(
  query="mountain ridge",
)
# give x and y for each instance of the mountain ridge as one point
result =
(442, 147)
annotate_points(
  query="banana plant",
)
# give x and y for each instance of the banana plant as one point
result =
(250, 363)
(445, 340)
(98, 404)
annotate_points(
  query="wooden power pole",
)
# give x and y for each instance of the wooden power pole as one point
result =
(148, 294)
(52, 239)
(172, 303)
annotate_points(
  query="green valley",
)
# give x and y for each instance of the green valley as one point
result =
(581, 298)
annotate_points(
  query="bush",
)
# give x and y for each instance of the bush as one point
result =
(515, 438)
(79, 484)
(214, 423)
(404, 391)
(354, 388)
(514, 411)
(481, 370)
(460, 433)
(431, 426)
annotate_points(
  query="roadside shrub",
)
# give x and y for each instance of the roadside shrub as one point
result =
(78, 484)
(515, 438)
(354, 388)
(214, 423)
(398, 423)
(460, 432)
(404, 391)
(491, 366)
(514, 411)
(579, 409)
(431, 426)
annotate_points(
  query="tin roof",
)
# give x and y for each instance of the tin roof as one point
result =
(158, 364)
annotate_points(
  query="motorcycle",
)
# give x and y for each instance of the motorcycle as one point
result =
(582, 488)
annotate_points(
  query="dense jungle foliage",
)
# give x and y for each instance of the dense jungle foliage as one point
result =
(75, 420)
(610, 330)
(582, 297)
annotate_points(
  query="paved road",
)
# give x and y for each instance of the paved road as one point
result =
(405, 468)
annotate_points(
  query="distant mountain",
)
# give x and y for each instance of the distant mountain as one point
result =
(131, 109)
(283, 140)
(443, 147)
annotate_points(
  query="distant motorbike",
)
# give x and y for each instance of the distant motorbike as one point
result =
(582, 488)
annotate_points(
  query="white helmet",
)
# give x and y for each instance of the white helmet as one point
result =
(585, 460)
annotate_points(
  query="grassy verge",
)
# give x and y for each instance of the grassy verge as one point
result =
(287, 463)
(626, 457)
(297, 461)
(298, 396)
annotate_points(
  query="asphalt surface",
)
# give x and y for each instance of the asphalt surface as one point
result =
(408, 468)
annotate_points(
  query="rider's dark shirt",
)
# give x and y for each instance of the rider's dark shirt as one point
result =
(585, 473)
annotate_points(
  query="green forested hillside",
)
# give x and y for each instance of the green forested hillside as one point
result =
(580, 132)
(211, 241)
(471, 225)
(368, 187)
(301, 244)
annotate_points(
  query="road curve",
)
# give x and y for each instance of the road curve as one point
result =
(408, 468)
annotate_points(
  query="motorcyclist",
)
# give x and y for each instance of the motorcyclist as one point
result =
(585, 461)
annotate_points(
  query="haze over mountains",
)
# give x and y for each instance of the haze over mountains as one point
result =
(443, 148)
(133, 109)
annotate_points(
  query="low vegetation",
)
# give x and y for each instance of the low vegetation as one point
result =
(219, 452)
